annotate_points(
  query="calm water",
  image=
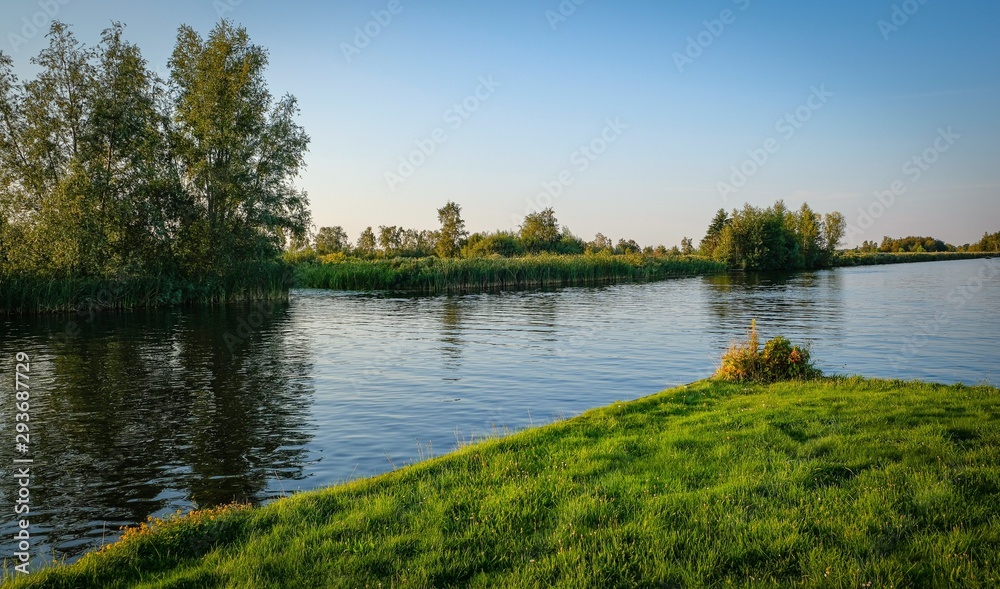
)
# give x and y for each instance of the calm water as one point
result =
(145, 413)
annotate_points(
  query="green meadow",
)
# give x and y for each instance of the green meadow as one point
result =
(836, 482)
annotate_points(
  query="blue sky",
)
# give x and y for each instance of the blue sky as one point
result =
(629, 118)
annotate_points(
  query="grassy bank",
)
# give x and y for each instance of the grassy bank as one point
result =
(456, 275)
(851, 258)
(831, 483)
(30, 294)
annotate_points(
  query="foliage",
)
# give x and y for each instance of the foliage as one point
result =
(780, 360)
(108, 173)
(452, 275)
(989, 243)
(914, 244)
(331, 240)
(827, 483)
(711, 239)
(775, 238)
(860, 258)
(452, 232)
(540, 231)
(366, 241)
(500, 243)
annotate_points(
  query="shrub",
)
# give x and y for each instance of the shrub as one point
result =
(780, 360)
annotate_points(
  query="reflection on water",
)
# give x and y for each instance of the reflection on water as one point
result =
(145, 413)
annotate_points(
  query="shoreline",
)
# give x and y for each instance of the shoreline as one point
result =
(843, 479)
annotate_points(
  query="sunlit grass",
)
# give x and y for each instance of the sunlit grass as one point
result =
(826, 483)
(437, 275)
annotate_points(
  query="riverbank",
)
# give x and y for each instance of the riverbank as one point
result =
(851, 258)
(459, 275)
(838, 482)
(32, 295)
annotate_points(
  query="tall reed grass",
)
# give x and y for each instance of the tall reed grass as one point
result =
(21, 294)
(437, 275)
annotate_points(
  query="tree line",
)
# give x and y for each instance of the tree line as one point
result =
(539, 233)
(109, 171)
(989, 243)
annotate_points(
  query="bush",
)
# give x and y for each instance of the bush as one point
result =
(780, 360)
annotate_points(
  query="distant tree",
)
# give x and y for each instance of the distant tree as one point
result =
(687, 248)
(711, 239)
(540, 231)
(914, 244)
(366, 241)
(809, 237)
(601, 243)
(452, 230)
(627, 246)
(834, 228)
(989, 243)
(330, 240)
(390, 239)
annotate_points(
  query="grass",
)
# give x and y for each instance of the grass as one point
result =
(837, 482)
(32, 295)
(852, 258)
(436, 275)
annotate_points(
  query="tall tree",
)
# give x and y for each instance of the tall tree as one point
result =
(239, 149)
(366, 241)
(452, 232)
(711, 239)
(834, 228)
(331, 240)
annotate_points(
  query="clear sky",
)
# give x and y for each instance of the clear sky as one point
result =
(637, 115)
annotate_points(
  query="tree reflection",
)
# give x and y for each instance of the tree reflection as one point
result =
(146, 412)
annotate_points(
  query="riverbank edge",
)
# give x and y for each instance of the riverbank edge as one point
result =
(35, 296)
(909, 428)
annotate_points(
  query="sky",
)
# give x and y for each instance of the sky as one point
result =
(635, 119)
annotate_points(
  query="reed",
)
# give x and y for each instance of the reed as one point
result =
(27, 294)
(437, 275)
(852, 258)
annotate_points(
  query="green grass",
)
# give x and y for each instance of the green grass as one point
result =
(32, 295)
(828, 483)
(437, 275)
(852, 258)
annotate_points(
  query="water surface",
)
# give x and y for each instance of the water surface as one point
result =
(144, 413)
